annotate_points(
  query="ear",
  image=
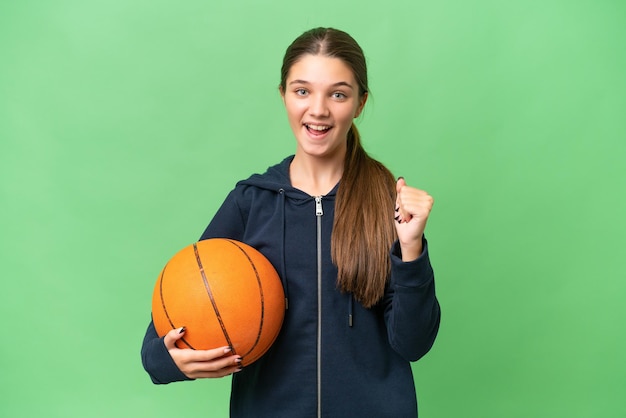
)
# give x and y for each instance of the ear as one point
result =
(362, 101)
(282, 92)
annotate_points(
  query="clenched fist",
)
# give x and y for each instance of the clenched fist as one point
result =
(413, 207)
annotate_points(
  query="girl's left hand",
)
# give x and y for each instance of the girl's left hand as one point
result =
(413, 207)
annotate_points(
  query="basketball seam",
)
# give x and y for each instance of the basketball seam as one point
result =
(212, 299)
(167, 315)
(258, 279)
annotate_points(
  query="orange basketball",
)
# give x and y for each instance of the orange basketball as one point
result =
(225, 293)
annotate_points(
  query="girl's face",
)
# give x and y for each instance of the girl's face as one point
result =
(322, 98)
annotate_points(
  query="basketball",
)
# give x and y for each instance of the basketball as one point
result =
(225, 293)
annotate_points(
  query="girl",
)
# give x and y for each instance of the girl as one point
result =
(348, 242)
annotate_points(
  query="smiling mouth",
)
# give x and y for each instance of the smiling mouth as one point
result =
(317, 129)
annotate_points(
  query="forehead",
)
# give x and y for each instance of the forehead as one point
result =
(320, 69)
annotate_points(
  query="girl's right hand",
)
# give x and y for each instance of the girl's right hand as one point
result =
(197, 364)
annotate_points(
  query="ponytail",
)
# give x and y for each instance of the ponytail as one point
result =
(363, 229)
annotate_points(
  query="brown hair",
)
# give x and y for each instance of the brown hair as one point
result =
(363, 229)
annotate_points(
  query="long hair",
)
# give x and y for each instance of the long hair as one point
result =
(363, 229)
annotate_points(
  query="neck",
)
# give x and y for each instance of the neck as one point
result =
(315, 176)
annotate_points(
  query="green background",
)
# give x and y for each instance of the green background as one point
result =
(123, 125)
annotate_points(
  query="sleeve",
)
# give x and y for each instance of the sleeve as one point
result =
(227, 223)
(412, 311)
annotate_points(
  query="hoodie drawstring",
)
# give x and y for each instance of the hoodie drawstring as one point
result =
(350, 309)
(283, 270)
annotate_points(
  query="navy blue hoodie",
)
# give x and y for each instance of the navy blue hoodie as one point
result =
(333, 357)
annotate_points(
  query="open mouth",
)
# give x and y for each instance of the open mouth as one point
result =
(317, 130)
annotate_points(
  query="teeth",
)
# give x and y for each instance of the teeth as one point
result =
(318, 127)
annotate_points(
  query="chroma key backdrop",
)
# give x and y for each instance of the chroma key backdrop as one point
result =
(124, 124)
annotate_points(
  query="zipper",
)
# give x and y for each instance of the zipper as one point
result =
(318, 213)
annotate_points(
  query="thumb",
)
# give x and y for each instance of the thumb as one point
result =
(173, 336)
(400, 184)
(401, 213)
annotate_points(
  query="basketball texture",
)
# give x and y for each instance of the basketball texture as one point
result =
(225, 293)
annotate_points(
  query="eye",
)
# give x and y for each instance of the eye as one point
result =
(339, 95)
(300, 92)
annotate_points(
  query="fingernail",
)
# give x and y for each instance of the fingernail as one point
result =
(397, 208)
(397, 218)
(227, 350)
(238, 360)
(400, 178)
(182, 329)
(238, 369)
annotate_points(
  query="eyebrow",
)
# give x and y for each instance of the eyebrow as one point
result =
(338, 84)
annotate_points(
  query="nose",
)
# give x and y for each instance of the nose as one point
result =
(318, 106)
